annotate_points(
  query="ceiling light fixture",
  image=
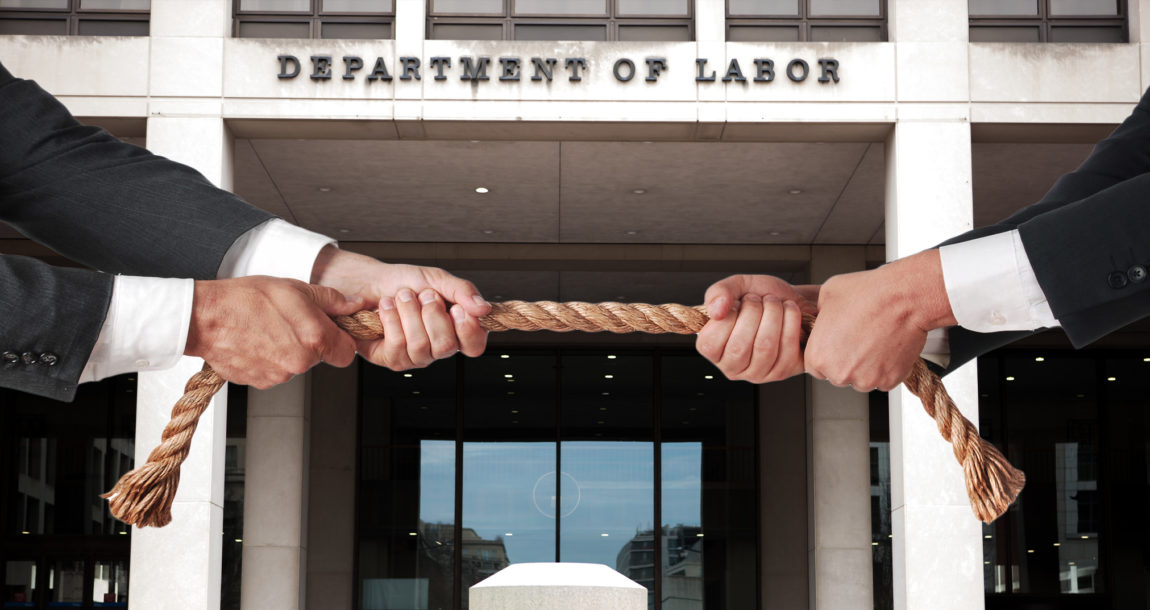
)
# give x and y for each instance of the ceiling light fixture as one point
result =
(481, 189)
(796, 191)
(489, 231)
(631, 233)
(325, 189)
(345, 230)
(639, 191)
(775, 234)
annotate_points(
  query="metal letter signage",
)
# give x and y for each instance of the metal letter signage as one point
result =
(513, 69)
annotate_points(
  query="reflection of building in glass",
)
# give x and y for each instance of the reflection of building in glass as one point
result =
(481, 557)
(881, 547)
(681, 562)
(35, 484)
(1076, 477)
(36, 498)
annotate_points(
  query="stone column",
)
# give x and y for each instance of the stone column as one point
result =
(331, 503)
(182, 560)
(783, 493)
(937, 539)
(937, 543)
(179, 565)
(275, 497)
(840, 474)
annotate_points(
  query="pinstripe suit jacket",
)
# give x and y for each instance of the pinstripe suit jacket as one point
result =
(111, 206)
(1088, 240)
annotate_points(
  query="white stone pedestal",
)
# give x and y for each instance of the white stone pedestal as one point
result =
(558, 586)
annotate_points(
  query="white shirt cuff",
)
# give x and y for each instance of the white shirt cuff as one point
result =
(146, 327)
(276, 248)
(937, 348)
(992, 287)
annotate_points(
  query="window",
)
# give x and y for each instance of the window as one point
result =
(363, 19)
(637, 460)
(806, 20)
(75, 17)
(1047, 20)
(59, 544)
(667, 20)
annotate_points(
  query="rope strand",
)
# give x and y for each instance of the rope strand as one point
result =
(143, 497)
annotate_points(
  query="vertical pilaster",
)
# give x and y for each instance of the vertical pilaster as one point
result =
(185, 555)
(275, 497)
(840, 474)
(331, 504)
(937, 544)
(711, 20)
(937, 539)
(783, 512)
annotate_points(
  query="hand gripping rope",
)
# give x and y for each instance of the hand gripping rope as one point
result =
(143, 497)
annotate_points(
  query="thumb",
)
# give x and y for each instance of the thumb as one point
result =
(460, 292)
(723, 296)
(332, 301)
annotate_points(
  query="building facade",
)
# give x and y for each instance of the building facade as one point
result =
(597, 150)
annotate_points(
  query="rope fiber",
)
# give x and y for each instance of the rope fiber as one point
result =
(143, 497)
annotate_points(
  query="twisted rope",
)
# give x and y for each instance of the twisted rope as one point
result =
(143, 497)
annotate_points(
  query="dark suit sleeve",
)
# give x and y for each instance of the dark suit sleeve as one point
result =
(1088, 241)
(109, 205)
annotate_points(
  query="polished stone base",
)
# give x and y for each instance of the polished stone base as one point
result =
(558, 586)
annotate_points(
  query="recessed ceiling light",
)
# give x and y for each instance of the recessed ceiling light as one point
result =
(489, 231)
(604, 534)
(481, 189)
(515, 411)
(608, 376)
(639, 191)
(606, 393)
(610, 356)
(796, 191)
(504, 356)
(476, 142)
(1040, 359)
(775, 234)
(325, 189)
(1111, 379)
(631, 233)
(408, 375)
(1011, 378)
(509, 375)
(345, 230)
(708, 376)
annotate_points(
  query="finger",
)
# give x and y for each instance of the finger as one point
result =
(790, 357)
(740, 347)
(723, 296)
(439, 326)
(472, 338)
(711, 341)
(391, 351)
(411, 318)
(338, 348)
(765, 351)
(459, 291)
